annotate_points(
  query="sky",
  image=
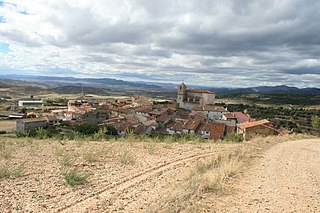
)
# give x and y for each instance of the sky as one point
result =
(214, 43)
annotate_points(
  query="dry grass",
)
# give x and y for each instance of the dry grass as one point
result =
(127, 158)
(214, 176)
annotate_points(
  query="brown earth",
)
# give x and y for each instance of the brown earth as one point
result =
(133, 176)
(286, 179)
(8, 125)
(126, 176)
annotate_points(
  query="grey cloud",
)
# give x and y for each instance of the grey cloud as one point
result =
(267, 38)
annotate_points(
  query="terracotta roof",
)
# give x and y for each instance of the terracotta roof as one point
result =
(230, 129)
(210, 107)
(243, 117)
(252, 124)
(73, 109)
(205, 126)
(198, 115)
(229, 115)
(192, 124)
(33, 120)
(199, 91)
(143, 109)
(217, 131)
(177, 126)
(131, 119)
(163, 118)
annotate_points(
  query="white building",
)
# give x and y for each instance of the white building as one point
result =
(213, 112)
(30, 123)
(190, 98)
(26, 103)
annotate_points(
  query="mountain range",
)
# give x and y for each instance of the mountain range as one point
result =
(72, 84)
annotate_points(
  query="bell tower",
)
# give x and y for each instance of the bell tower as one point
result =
(182, 92)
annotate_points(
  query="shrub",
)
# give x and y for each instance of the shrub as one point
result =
(233, 138)
(111, 130)
(86, 129)
(4, 172)
(2, 132)
(126, 158)
(73, 177)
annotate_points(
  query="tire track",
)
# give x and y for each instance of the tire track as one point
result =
(130, 181)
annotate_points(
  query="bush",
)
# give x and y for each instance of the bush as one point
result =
(73, 177)
(2, 132)
(87, 129)
(233, 138)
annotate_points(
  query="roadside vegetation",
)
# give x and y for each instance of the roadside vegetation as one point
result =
(214, 176)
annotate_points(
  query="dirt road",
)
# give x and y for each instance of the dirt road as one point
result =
(286, 179)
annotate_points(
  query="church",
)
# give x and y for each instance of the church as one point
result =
(190, 98)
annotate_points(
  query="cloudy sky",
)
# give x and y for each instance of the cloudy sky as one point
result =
(201, 42)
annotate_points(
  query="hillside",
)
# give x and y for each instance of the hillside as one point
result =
(148, 175)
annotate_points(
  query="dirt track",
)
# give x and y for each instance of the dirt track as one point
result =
(286, 179)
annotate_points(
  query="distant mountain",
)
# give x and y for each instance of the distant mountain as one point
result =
(88, 82)
(281, 89)
(99, 86)
(77, 90)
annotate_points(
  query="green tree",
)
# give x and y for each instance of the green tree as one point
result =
(315, 121)
(86, 129)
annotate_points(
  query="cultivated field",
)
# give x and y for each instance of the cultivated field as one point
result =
(126, 175)
(8, 125)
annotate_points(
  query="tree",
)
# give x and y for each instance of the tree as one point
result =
(315, 121)
(23, 110)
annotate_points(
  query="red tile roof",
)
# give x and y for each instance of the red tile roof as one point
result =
(199, 91)
(217, 131)
(229, 115)
(210, 107)
(192, 124)
(243, 117)
(252, 124)
(177, 126)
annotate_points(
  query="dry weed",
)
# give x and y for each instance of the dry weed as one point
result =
(214, 175)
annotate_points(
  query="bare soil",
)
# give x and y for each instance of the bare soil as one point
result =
(132, 176)
(8, 125)
(285, 179)
(126, 177)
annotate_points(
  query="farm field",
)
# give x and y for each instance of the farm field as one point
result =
(7, 125)
(123, 175)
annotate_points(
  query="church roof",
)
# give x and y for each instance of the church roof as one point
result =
(199, 91)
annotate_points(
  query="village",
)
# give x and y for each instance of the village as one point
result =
(193, 112)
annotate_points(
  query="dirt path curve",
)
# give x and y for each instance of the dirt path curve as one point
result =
(286, 179)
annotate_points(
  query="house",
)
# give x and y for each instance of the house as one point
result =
(241, 117)
(175, 128)
(229, 117)
(28, 103)
(218, 131)
(190, 98)
(213, 112)
(212, 130)
(143, 111)
(51, 120)
(140, 101)
(205, 129)
(32, 123)
(96, 117)
(261, 127)
(163, 119)
(17, 116)
(191, 126)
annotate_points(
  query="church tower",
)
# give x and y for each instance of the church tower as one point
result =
(182, 92)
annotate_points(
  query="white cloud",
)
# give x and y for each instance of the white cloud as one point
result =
(224, 42)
